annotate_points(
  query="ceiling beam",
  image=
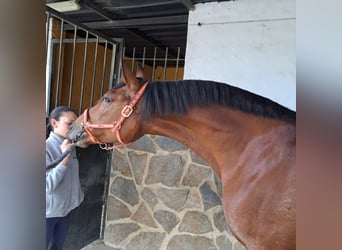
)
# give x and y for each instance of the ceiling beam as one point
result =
(188, 4)
(138, 22)
(139, 5)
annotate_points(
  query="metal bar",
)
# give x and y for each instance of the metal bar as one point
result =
(83, 72)
(165, 64)
(143, 60)
(132, 61)
(94, 75)
(105, 193)
(112, 67)
(72, 65)
(103, 68)
(80, 40)
(121, 58)
(47, 29)
(176, 73)
(154, 62)
(48, 68)
(59, 62)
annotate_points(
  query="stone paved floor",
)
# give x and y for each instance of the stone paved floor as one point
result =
(99, 245)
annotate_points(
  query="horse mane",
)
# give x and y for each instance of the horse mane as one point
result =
(164, 97)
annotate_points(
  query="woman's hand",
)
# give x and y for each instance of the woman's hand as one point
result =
(65, 145)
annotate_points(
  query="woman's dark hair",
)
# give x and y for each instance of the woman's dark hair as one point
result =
(56, 113)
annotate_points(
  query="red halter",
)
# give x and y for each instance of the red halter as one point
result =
(115, 126)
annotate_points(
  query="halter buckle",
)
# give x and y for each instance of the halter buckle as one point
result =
(126, 111)
(103, 146)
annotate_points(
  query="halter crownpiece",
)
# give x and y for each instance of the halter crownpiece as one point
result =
(116, 125)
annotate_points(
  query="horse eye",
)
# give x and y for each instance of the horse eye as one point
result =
(107, 99)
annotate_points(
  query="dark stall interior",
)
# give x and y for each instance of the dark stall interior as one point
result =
(86, 220)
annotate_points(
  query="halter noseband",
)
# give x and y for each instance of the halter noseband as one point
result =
(116, 125)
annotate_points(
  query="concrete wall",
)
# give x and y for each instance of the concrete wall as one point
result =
(246, 43)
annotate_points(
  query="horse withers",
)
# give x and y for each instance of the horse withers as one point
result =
(248, 140)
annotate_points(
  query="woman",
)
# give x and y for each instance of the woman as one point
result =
(63, 189)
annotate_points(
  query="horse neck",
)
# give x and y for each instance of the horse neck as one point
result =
(216, 134)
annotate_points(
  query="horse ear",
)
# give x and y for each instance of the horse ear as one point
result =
(129, 77)
(140, 72)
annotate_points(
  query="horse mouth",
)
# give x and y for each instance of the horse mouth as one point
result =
(80, 139)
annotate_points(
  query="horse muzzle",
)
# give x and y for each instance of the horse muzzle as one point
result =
(79, 137)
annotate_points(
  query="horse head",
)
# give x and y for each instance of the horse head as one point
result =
(114, 118)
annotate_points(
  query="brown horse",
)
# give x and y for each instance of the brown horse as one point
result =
(248, 140)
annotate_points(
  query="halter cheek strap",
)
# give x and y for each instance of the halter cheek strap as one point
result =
(116, 125)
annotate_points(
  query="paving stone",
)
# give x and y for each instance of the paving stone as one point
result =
(195, 175)
(173, 198)
(116, 209)
(120, 163)
(168, 144)
(209, 197)
(146, 240)
(149, 197)
(196, 223)
(166, 219)
(143, 144)
(187, 242)
(223, 243)
(165, 169)
(143, 216)
(125, 190)
(116, 233)
(220, 221)
(138, 163)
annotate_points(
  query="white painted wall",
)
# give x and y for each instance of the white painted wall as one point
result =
(246, 43)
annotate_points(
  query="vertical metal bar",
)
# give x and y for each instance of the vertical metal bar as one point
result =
(121, 58)
(133, 57)
(177, 63)
(105, 193)
(104, 67)
(94, 72)
(47, 29)
(165, 63)
(112, 67)
(72, 65)
(154, 62)
(143, 60)
(59, 62)
(48, 67)
(83, 71)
